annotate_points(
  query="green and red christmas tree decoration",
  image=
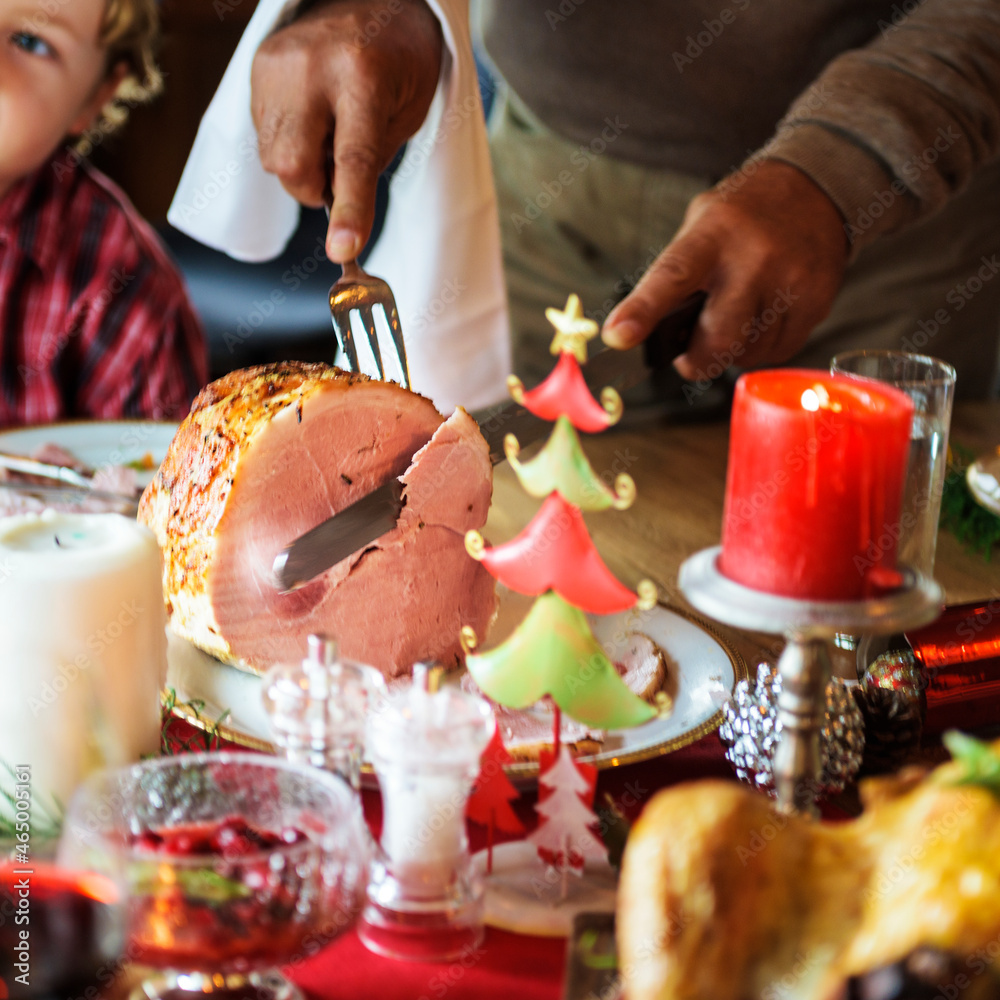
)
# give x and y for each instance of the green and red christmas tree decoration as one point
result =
(553, 653)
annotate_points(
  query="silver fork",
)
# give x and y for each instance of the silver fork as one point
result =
(356, 291)
(33, 467)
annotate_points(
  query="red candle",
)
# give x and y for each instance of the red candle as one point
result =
(814, 487)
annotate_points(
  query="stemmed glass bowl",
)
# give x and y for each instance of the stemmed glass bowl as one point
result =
(232, 865)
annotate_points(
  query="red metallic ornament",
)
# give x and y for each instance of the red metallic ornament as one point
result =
(959, 662)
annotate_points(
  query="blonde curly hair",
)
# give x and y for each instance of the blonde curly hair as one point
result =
(130, 33)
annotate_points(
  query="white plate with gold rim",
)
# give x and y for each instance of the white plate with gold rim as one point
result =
(706, 667)
(98, 442)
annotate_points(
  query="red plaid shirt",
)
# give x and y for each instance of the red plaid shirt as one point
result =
(94, 317)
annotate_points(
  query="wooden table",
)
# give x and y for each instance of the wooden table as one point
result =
(680, 475)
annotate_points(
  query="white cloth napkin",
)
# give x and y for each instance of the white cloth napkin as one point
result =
(440, 246)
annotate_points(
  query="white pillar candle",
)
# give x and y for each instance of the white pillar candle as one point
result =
(82, 646)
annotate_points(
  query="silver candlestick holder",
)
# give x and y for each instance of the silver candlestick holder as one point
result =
(808, 627)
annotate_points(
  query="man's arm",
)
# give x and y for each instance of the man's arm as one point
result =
(903, 123)
(899, 125)
(340, 89)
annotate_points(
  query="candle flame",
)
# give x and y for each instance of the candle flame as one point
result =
(99, 888)
(817, 397)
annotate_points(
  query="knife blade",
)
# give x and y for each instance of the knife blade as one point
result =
(367, 519)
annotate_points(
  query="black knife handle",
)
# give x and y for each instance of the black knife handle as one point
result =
(608, 367)
(671, 336)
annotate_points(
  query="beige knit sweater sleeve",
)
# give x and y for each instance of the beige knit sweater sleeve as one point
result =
(891, 131)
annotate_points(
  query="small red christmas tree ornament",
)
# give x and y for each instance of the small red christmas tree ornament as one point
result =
(490, 802)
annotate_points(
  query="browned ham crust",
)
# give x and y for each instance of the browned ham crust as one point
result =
(267, 453)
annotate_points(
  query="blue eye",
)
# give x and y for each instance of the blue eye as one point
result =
(32, 44)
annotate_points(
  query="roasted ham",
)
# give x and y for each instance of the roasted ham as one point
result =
(269, 452)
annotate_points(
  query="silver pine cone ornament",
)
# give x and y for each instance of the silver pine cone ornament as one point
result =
(750, 731)
(893, 707)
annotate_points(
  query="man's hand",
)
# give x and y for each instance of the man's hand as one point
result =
(770, 249)
(348, 82)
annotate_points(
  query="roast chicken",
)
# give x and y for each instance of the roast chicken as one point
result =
(723, 898)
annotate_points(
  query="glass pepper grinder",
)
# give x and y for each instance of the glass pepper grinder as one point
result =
(424, 901)
(316, 709)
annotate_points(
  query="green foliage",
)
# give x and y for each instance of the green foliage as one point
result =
(979, 762)
(200, 884)
(46, 819)
(974, 526)
(591, 954)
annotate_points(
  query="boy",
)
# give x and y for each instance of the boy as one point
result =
(94, 318)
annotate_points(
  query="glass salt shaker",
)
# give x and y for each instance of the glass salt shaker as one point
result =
(316, 709)
(424, 902)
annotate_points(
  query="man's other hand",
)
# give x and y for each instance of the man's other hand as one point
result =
(770, 250)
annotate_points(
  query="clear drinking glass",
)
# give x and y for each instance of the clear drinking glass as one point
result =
(233, 864)
(930, 384)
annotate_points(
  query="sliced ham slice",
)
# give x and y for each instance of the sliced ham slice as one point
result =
(269, 452)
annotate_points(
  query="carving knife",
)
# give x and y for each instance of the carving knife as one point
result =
(367, 519)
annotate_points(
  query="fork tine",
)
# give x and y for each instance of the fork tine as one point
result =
(392, 320)
(355, 294)
(345, 338)
(368, 321)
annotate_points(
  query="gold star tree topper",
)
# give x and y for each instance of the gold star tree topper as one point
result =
(573, 329)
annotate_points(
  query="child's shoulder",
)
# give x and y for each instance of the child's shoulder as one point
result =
(79, 226)
(97, 200)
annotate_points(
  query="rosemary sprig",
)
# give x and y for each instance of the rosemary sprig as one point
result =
(144, 464)
(206, 735)
(46, 819)
(974, 526)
